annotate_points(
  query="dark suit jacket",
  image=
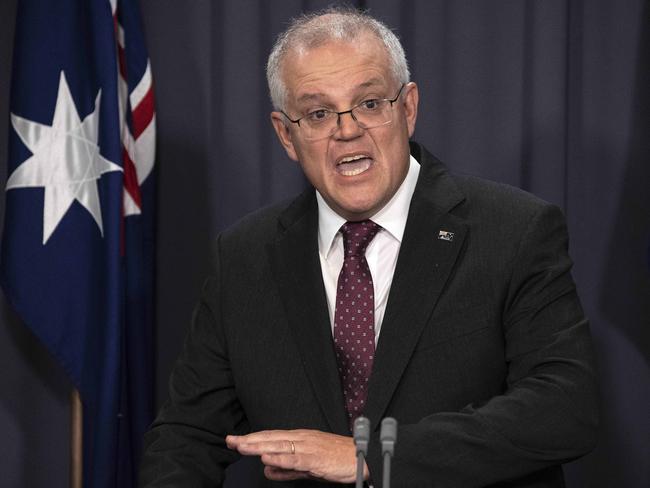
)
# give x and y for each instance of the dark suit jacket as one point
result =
(484, 356)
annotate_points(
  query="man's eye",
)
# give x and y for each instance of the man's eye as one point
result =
(372, 104)
(317, 115)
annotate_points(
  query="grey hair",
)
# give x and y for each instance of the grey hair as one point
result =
(335, 23)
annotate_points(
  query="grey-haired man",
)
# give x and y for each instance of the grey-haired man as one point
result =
(468, 327)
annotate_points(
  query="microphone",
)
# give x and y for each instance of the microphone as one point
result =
(387, 436)
(361, 434)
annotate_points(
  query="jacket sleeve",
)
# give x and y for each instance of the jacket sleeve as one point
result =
(547, 413)
(186, 444)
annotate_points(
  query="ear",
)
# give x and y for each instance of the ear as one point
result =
(284, 134)
(411, 99)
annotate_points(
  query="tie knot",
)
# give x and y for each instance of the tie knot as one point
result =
(357, 236)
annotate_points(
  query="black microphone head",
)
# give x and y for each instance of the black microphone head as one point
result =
(388, 435)
(361, 434)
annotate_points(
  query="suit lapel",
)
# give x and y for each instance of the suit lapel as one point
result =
(430, 247)
(296, 266)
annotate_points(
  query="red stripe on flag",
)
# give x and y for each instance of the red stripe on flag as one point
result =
(143, 113)
(131, 179)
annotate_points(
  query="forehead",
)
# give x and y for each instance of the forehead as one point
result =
(337, 68)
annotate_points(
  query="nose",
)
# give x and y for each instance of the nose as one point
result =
(348, 127)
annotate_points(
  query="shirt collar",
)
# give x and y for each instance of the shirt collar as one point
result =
(392, 216)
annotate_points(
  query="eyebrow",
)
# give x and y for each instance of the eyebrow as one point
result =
(309, 97)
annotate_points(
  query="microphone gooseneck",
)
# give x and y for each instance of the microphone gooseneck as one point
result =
(361, 434)
(388, 437)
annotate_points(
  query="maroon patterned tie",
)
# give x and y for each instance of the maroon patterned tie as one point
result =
(354, 320)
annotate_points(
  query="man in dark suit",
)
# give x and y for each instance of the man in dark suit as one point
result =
(391, 288)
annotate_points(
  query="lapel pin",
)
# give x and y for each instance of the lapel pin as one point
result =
(445, 235)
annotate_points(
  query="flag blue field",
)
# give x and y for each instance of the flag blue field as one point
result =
(77, 251)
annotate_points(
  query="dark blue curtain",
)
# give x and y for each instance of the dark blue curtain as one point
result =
(552, 96)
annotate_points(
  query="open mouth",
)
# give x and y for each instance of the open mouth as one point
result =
(353, 165)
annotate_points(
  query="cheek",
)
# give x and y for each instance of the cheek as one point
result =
(397, 164)
(315, 157)
(394, 148)
(313, 165)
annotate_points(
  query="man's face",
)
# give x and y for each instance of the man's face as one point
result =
(356, 170)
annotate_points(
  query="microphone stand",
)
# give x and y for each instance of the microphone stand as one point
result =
(361, 434)
(388, 437)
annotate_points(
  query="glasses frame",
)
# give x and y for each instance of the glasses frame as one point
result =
(350, 111)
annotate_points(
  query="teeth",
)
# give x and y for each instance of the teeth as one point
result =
(354, 167)
(354, 172)
(353, 158)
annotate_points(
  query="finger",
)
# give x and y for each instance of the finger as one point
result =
(278, 474)
(265, 435)
(286, 461)
(269, 435)
(233, 441)
(267, 447)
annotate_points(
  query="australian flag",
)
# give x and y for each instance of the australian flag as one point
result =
(77, 249)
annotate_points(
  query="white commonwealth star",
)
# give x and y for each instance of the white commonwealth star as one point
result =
(65, 160)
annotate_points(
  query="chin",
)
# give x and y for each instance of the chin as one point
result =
(357, 212)
(355, 205)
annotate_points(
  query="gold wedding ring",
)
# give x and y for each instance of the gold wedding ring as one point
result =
(293, 447)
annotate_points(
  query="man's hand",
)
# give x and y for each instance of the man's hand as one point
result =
(298, 454)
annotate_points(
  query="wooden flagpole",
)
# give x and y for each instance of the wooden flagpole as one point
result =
(76, 440)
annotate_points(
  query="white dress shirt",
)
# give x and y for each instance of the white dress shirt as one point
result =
(381, 253)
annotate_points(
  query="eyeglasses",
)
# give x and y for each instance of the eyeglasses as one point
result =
(322, 123)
